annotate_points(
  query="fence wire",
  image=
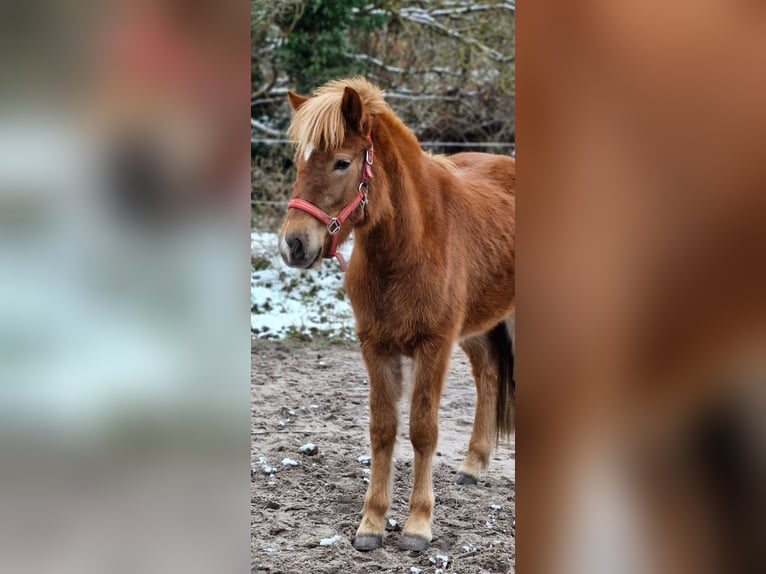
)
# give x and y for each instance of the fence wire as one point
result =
(425, 144)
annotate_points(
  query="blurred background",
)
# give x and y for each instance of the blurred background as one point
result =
(124, 358)
(447, 69)
(641, 316)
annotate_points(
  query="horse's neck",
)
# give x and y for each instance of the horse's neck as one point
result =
(399, 219)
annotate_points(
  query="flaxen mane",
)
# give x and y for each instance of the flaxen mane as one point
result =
(319, 122)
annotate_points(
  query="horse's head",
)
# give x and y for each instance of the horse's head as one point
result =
(333, 159)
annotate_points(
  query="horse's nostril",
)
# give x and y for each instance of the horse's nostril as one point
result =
(296, 248)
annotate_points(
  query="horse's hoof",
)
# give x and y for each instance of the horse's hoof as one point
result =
(367, 542)
(462, 478)
(414, 542)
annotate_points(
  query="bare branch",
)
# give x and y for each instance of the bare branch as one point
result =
(425, 18)
(264, 128)
(472, 8)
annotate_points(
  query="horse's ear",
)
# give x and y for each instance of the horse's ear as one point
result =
(296, 100)
(352, 109)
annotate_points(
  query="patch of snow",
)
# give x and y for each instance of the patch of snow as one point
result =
(443, 559)
(329, 541)
(289, 462)
(364, 459)
(415, 570)
(496, 506)
(308, 447)
(291, 302)
(392, 523)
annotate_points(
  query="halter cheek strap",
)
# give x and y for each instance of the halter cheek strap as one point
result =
(334, 224)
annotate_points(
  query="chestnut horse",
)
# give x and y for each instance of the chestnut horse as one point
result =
(433, 263)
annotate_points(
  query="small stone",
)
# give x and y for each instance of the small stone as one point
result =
(265, 466)
(289, 462)
(309, 449)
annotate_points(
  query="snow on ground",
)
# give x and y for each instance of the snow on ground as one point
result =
(291, 303)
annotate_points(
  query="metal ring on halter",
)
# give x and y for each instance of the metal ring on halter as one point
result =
(363, 187)
(334, 226)
(368, 157)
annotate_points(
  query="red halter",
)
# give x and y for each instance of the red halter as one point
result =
(335, 223)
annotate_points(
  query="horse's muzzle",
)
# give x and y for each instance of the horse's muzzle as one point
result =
(297, 251)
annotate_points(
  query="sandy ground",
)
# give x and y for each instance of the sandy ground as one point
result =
(305, 508)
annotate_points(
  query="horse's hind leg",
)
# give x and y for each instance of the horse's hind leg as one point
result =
(430, 368)
(484, 366)
(385, 389)
(477, 348)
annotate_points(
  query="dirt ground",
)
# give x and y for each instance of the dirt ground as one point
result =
(305, 508)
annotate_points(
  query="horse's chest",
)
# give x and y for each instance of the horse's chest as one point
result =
(397, 312)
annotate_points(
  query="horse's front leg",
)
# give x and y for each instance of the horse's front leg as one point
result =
(430, 367)
(385, 372)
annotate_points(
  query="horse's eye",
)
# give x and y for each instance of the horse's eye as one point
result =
(341, 165)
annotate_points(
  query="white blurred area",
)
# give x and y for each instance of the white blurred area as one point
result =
(124, 346)
(96, 311)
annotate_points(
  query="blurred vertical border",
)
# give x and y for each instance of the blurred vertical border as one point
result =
(124, 348)
(641, 279)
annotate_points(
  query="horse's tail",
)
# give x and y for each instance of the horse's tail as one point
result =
(502, 350)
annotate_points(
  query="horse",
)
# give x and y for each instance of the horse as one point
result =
(433, 264)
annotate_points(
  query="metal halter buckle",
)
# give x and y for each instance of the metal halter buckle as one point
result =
(368, 156)
(334, 226)
(363, 187)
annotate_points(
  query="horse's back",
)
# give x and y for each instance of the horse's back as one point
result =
(494, 169)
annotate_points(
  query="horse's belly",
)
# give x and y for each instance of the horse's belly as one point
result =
(489, 305)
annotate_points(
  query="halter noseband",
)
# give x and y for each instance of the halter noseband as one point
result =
(335, 223)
